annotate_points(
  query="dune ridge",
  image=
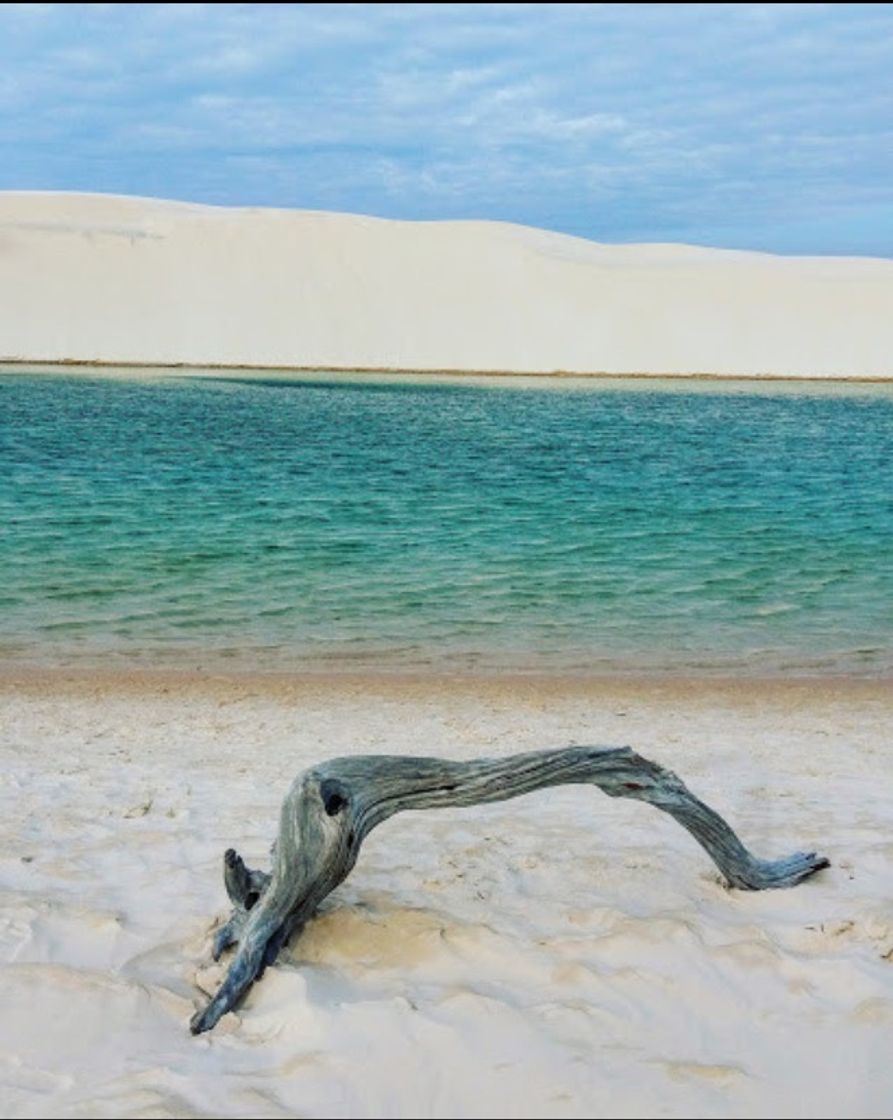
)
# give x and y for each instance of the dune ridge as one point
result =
(112, 279)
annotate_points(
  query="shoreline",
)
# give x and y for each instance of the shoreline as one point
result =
(16, 365)
(284, 685)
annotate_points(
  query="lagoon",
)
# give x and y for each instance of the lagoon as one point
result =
(303, 522)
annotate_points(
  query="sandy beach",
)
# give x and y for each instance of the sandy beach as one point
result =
(117, 279)
(562, 954)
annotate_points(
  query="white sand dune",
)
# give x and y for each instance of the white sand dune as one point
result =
(558, 955)
(96, 278)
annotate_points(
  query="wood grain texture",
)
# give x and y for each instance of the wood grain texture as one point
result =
(332, 807)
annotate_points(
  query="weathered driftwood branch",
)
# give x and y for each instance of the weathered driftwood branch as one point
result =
(331, 808)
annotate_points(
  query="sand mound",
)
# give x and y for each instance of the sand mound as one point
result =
(93, 278)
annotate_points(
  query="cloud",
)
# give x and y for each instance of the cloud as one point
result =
(764, 126)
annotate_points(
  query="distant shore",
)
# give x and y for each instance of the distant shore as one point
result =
(26, 365)
(172, 369)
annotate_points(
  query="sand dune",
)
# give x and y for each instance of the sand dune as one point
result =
(94, 278)
(557, 955)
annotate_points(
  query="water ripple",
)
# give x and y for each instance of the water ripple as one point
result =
(311, 522)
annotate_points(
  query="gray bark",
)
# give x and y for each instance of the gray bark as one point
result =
(331, 808)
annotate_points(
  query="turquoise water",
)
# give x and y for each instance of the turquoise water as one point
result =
(292, 523)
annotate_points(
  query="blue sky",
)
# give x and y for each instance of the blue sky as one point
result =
(751, 126)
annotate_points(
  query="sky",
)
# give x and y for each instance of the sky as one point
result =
(748, 126)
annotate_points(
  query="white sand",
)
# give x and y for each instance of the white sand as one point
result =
(558, 955)
(95, 278)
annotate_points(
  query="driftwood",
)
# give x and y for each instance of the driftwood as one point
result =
(331, 808)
